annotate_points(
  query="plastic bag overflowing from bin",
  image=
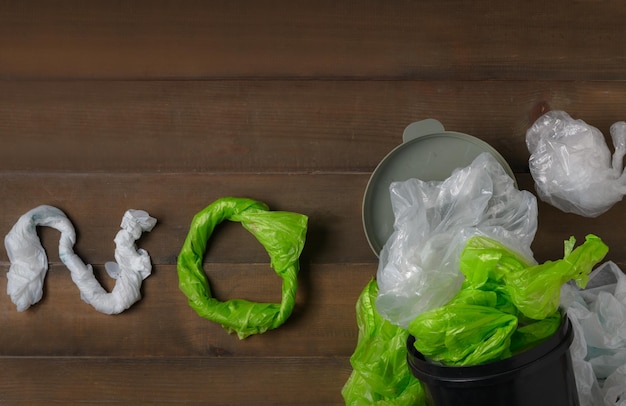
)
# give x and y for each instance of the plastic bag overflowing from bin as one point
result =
(505, 306)
(572, 165)
(598, 314)
(482, 323)
(380, 375)
(477, 212)
(419, 264)
(29, 263)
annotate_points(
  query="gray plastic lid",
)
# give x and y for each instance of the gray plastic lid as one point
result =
(428, 152)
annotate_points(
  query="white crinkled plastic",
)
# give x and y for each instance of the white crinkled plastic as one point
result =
(419, 264)
(29, 263)
(615, 387)
(598, 315)
(572, 165)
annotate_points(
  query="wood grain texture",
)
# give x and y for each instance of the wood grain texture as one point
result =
(95, 203)
(323, 323)
(270, 126)
(173, 381)
(579, 40)
(168, 105)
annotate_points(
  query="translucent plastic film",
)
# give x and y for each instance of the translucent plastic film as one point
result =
(572, 165)
(419, 264)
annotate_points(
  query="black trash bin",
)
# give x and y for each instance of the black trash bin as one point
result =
(542, 375)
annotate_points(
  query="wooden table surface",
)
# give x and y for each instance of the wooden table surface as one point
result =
(166, 106)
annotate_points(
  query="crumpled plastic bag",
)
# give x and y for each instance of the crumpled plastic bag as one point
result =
(598, 314)
(615, 387)
(380, 373)
(501, 292)
(281, 233)
(463, 334)
(572, 165)
(535, 291)
(419, 264)
(29, 263)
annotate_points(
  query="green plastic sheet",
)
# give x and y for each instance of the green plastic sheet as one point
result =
(506, 305)
(380, 373)
(281, 233)
(463, 334)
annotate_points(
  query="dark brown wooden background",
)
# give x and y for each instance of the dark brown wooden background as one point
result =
(168, 105)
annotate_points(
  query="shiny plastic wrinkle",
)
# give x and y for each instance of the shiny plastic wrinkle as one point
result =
(506, 304)
(598, 315)
(530, 332)
(536, 291)
(572, 165)
(463, 334)
(29, 263)
(380, 374)
(533, 289)
(281, 233)
(419, 264)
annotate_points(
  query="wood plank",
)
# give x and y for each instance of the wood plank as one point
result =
(168, 105)
(270, 126)
(322, 39)
(162, 324)
(156, 381)
(556, 226)
(95, 203)
(336, 265)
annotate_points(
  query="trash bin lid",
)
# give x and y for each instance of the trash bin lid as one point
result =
(428, 152)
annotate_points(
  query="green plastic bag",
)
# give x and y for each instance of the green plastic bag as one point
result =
(462, 333)
(380, 373)
(533, 289)
(506, 305)
(283, 236)
(532, 332)
(536, 291)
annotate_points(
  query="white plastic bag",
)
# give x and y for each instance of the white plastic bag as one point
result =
(598, 352)
(572, 165)
(29, 263)
(419, 264)
(615, 387)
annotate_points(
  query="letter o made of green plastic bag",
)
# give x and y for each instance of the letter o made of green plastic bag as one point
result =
(281, 233)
